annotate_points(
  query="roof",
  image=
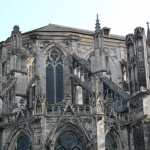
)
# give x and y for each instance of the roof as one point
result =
(61, 28)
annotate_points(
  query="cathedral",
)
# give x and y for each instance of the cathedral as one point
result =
(63, 88)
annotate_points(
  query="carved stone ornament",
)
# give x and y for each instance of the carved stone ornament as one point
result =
(129, 40)
(20, 106)
(138, 32)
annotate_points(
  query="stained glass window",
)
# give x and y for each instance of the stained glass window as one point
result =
(59, 82)
(54, 77)
(50, 83)
(23, 142)
(69, 141)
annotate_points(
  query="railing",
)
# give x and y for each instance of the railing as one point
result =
(55, 108)
(82, 109)
(77, 109)
(52, 110)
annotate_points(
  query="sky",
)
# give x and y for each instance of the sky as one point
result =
(122, 16)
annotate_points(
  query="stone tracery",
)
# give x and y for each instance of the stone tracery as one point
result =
(54, 75)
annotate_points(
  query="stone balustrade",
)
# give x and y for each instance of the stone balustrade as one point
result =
(78, 109)
(55, 108)
(82, 109)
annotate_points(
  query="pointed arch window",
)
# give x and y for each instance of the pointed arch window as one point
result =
(23, 142)
(54, 76)
(69, 141)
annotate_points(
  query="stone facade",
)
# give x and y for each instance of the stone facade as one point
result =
(63, 88)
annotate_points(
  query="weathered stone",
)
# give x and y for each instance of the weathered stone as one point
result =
(64, 88)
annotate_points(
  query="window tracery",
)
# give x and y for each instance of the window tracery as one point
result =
(69, 140)
(54, 76)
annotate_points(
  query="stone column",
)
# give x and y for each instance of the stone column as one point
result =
(67, 82)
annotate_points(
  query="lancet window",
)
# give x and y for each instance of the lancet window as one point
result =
(54, 76)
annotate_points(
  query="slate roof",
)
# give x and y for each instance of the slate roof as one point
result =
(61, 28)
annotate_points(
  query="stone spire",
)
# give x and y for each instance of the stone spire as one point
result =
(148, 34)
(97, 27)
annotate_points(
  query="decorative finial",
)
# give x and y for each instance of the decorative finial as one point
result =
(16, 28)
(97, 17)
(97, 28)
(147, 25)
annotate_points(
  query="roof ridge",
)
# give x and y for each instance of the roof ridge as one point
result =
(63, 26)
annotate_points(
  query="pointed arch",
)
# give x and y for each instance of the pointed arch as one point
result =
(23, 142)
(54, 75)
(69, 140)
(76, 138)
(59, 46)
(20, 137)
(113, 140)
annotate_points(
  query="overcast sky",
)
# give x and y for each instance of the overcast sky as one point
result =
(122, 16)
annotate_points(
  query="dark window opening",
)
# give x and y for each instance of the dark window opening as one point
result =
(4, 68)
(50, 84)
(86, 97)
(54, 77)
(23, 142)
(33, 91)
(59, 83)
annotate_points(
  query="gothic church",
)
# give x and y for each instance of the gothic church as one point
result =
(64, 88)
